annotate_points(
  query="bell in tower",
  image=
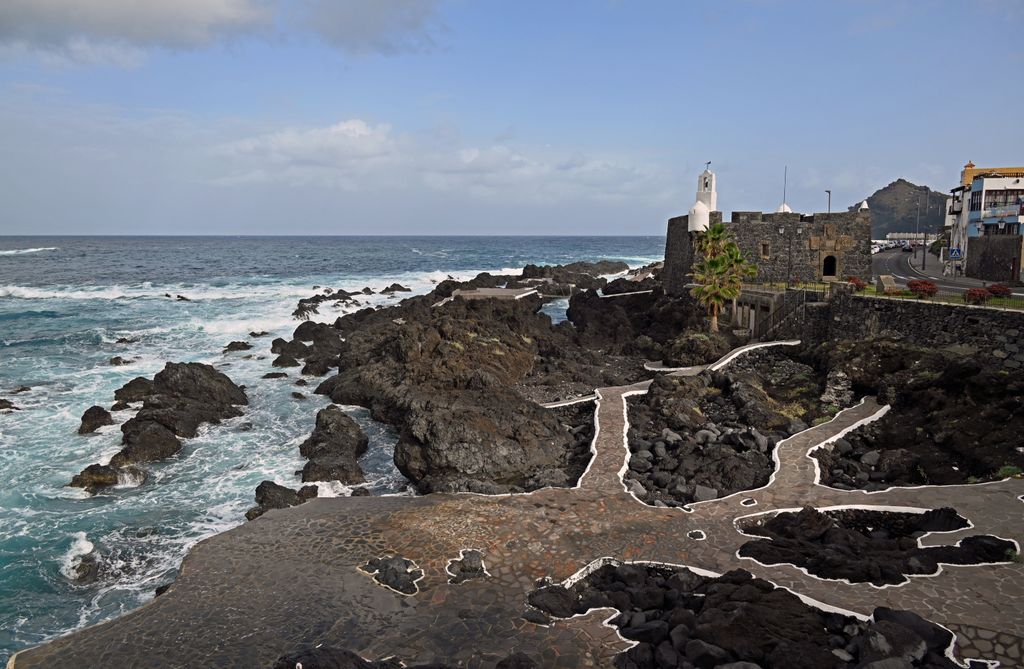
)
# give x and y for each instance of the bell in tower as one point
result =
(706, 190)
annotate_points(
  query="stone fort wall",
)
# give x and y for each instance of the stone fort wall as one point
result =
(992, 336)
(784, 246)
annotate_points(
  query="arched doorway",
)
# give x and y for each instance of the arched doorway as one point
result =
(828, 268)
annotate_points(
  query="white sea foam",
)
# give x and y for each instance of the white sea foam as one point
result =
(18, 252)
(80, 547)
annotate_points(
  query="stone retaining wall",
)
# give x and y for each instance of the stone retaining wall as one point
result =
(995, 335)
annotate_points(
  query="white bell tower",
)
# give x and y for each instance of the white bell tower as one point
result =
(706, 190)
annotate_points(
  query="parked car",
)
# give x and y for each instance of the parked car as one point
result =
(908, 248)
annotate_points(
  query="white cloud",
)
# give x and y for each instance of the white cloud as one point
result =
(119, 31)
(358, 156)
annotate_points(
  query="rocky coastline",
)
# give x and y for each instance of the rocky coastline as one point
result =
(465, 383)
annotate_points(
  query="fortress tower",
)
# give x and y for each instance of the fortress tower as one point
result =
(786, 246)
(706, 190)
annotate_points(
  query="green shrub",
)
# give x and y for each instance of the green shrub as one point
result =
(1008, 471)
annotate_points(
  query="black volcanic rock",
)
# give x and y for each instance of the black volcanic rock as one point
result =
(176, 402)
(967, 417)
(135, 390)
(95, 477)
(332, 449)
(680, 619)
(93, 418)
(863, 546)
(270, 495)
(237, 346)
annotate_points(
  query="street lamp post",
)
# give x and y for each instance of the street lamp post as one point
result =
(924, 257)
(917, 229)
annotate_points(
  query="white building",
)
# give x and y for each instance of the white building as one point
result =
(988, 201)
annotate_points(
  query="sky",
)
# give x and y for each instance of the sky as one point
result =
(486, 116)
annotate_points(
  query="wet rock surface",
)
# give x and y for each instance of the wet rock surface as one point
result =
(179, 399)
(333, 448)
(681, 619)
(698, 438)
(394, 572)
(868, 546)
(94, 418)
(952, 419)
(270, 495)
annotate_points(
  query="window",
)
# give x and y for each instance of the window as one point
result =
(976, 200)
(766, 250)
(1002, 198)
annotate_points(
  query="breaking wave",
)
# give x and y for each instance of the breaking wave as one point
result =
(18, 252)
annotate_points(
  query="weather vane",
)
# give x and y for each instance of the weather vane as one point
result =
(707, 165)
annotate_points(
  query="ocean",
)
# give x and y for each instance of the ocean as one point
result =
(64, 303)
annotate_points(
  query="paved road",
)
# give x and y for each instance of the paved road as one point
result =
(907, 266)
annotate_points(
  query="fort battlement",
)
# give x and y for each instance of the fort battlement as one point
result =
(785, 246)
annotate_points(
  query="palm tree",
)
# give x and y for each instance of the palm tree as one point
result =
(716, 284)
(712, 242)
(739, 267)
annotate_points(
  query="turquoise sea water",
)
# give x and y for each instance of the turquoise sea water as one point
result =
(64, 302)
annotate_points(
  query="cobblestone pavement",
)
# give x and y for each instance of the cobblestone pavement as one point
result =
(291, 577)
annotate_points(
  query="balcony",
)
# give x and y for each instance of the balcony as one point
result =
(1003, 211)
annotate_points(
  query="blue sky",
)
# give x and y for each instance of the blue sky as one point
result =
(463, 117)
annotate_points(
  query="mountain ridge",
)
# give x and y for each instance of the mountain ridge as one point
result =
(894, 208)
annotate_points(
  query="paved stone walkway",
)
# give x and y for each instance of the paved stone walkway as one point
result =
(290, 578)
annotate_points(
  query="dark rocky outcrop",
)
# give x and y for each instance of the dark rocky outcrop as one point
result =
(952, 420)
(309, 306)
(94, 418)
(332, 449)
(865, 546)
(95, 477)
(681, 619)
(270, 495)
(467, 567)
(176, 402)
(695, 348)
(698, 438)
(135, 390)
(237, 346)
(461, 381)
(447, 377)
(395, 288)
(394, 572)
(285, 361)
(118, 361)
(7, 405)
